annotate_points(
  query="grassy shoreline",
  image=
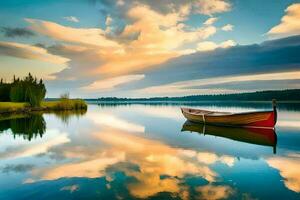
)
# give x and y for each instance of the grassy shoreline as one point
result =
(60, 105)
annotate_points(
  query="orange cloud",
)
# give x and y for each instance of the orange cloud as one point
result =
(125, 147)
(211, 192)
(87, 36)
(290, 23)
(160, 37)
(289, 169)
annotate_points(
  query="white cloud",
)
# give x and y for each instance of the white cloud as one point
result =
(227, 27)
(71, 19)
(210, 21)
(290, 23)
(108, 20)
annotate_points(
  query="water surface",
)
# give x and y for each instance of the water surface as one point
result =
(148, 152)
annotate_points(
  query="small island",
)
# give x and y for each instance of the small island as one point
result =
(28, 94)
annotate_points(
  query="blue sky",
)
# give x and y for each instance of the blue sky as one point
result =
(95, 48)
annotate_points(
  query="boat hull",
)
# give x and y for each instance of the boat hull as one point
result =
(263, 119)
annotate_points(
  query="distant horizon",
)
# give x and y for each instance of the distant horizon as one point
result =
(174, 97)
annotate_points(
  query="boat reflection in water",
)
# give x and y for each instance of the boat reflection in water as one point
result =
(259, 136)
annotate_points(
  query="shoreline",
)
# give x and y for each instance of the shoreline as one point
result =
(7, 108)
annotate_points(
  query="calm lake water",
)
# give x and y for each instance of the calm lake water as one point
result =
(148, 152)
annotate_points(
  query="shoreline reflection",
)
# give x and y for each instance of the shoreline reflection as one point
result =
(30, 126)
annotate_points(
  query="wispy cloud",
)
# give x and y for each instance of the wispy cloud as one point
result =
(190, 86)
(111, 83)
(26, 51)
(210, 21)
(16, 32)
(71, 19)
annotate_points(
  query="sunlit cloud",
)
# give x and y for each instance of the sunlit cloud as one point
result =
(91, 168)
(227, 27)
(211, 158)
(119, 147)
(290, 23)
(289, 169)
(212, 6)
(212, 192)
(85, 36)
(210, 21)
(159, 38)
(210, 46)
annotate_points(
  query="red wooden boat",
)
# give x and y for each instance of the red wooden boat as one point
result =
(258, 119)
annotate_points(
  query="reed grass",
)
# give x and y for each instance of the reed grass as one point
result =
(7, 107)
(60, 105)
(65, 104)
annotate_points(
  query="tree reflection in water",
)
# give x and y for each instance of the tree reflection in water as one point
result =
(33, 125)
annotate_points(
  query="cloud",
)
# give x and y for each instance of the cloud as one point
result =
(31, 52)
(108, 120)
(85, 36)
(18, 168)
(206, 7)
(227, 44)
(210, 21)
(209, 46)
(200, 85)
(146, 40)
(140, 36)
(23, 149)
(120, 2)
(227, 27)
(112, 83)
(70, 188)
(17, 32)
(211, 192)
(71, 19)
(290, 23)
(211, 158)
(289, 169)
(108, 20)
(206, 46)
(274, 56)
(211, 7)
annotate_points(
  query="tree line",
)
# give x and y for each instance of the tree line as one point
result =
(28, 89)
(280, 95)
